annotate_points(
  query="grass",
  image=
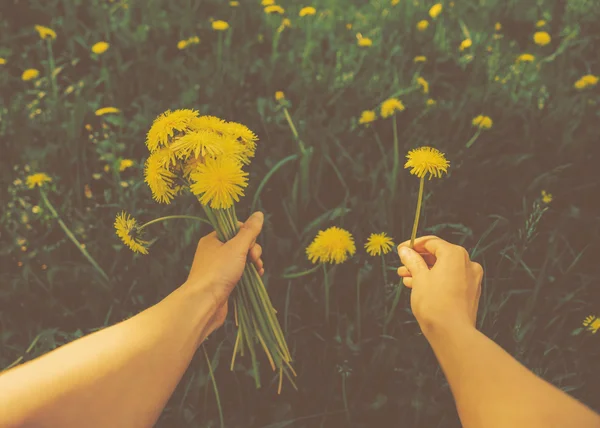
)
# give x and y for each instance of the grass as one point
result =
(315, 167)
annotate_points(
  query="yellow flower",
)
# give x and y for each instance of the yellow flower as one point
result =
(308, 10)
(422, 25)
(431, 102)
(419, 58)
(286, 23)
(2, 61)
(540, 23)
(30, 74)
(465, 44)
(379, 243)
(45, 32)
(483, 122)
(100, 47)
(201, 144)
(267, 2)
(279, 95)
(182, 44)
(435, 10)
(592, 323)
(426, 160)
(367, 116)
(127, 229)
(36, 209)
(234, 3)
(391, 106)
(220, 25)
(586, 81)
(424, 84)
(395, 2)
(38, 180)
(239, 142)
(498, 26)
(542, 38)
(159, 178)
(124, 164)
(333, 245)
(525, 58)
(274, 9)
(363, 41)
(546, 197)
(166, 125)
(219, 182)
(107, 110)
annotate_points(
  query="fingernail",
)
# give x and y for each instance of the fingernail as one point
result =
(257, 216)
(403, 251)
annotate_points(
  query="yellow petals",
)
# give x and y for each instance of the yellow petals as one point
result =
(542, 38)
(424, 84)
(525, 58)
(498, 26)
(45, 32)
(586, 81)
(234, 3)
(395, 2)
(333, 245)
(367, 116)
(426, 160)
(100, 47)
(274, 8)
(126, 228)
(435, 10)
(267, 2)
(166, 125)
(30, 74)
(379, 243)
(363, 41)
(37, 180)
(279, 95)
(219, 182)
(308, 10)
(431, 102)
(540, 23)
(107, 110)
(124, 164)
(391, 106)
(220, 25)
(159, 178)
(419, 58)
(482, 122)
(547, 197)
(422, 25)
(465, 44)
(2, 61)
(592, 323)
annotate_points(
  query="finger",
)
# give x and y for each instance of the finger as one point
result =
(403, 271)
(430, 244)
(248, 233)
(255, 253)
(412, 261)
(408, 282)
(261, 272)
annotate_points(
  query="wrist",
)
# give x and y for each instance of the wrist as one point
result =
(444, 327)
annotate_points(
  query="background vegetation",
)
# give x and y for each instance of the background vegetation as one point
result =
(542, 274)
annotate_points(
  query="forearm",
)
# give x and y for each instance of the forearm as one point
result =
(121, 376)
(493, 390)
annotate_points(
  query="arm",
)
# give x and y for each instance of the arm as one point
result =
(491, 388)
(122, 376)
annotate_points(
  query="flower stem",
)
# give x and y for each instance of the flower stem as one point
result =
(326, 278)
(51, 68)
(345, 396)
(472, 140)
(170, 217)
(299, 274)
(418, 213)
(396, 166)
(214, 383)
(390, 314)
(358, 315)
(219, 52)
(293, 128)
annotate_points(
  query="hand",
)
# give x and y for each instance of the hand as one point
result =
(218, 266)
(446, 284)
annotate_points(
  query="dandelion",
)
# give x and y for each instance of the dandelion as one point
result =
(166, 125)
(100, 47)
(286, 23)
(2, 61)
(431, 102)
(36, 209)
(547, 197)
(367, 116)
(219, 182)
(542, 38)
(363, 41)
(541, 23)
(37, 180)
(107, 110)
(182, 44)
(45, 32)
(419, 58)
(482, 122)
(498, 26)
(30, 74)
(307, 11)
(586, 81)
(200, 144)
(465, 44)
(379, 244)
(220, 25)
(127, 229)
(424, 84)
(422, 25)
(391, 106)
(267, 2)
(435, 10)
(279, 95)
(124, 164)
(395, 2)
(234, 3)
(525, 58)
(274, 8)
(592, 323)
(159, 178)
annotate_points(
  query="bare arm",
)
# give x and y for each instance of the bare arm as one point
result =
(491, 389)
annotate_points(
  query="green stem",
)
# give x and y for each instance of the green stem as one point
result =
(219, 52)
(268, 177)
(358, 316)
(418, 213)
(307, 46)
(72, 237)
(472, 140)
(396, 166)
(52, 67)
(384, 268)
(170, 217)
(299, 274)
(393, 309)
(293, 128)
(326, 278)
(214, 383)
(345, 396)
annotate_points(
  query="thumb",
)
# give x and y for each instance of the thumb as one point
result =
(413, 261)
(248, 233)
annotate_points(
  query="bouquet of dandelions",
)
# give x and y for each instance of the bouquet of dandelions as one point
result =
(205, 155)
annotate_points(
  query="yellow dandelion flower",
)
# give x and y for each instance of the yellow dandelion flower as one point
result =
(395, 2)
(267, 2)
(2, 61)
(124, 164)
(166, 125)
(100, 47)
(274, 9)
(126, 228)
(498, 26)
(423, 84)
(220, 25)
(379, 243)
(159, 178)
(182, 44)
(234, 3)
(363, 41)
(30, 74)
(198, 144)
(419, 58)
(194, 40)
(107, 110)
(391, 106)
(540, 23)
(367, 116)
(45, 32)
(435, 10)
(586, 81)
(333, 245)
(483, 122)
(219, 182)
(431, 102)
(465, 44)
(308, 10)
(426, 160)
(592, 323)
(37, 180)
(525, 58)
(279, 95)
(286, 23)
(236, 132)
(542, 38)
(422, 25)
(547, 197)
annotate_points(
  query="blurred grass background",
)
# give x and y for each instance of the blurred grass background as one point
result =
(542, 275)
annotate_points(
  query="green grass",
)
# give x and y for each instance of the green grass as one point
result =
(542, 275)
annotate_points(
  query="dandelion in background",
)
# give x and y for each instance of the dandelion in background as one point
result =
(541, 23)
(267, 2)
(379, 244)
(498, 26)
(234, 3)
(431, 102)
(307, 11)
(2, 61)
(422, 25)
(525, 58)
(107, 110)
(363, 41)
(182, 44)
(482, 123)
(592, 323)
(435, 10)
(124, 164)
(390, 106)
(100, 47)
(586, 81)
(274, 8)
(542, 38)
(422, 161)
(279, 96)
(45, 32)
(367, 117)
(30, 74)
(547, 197)
(423, 84)
(395, 2)
(128, 230)
(419, 59)
(220, 25)
(37, 180)
(465, 44)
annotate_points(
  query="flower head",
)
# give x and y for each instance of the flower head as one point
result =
(426, 160)
(363, 41)
(546, 197)
(542, 38)
(107, 110)
(540, 23)
(279, 95)
(419, 58)
(422, 25)
(274, 8)
(182, 44)
(37, 180)
(431, 102)
(45, 32)
(219, 182)
(379, 243)
(367, 116)
(126, 228)
(525, 58)
(498, 26)
(308, 10)
(100, 47)
(483, 122)
(586, 81)
(238, 142)
(30, 74)
(333, 245)
(124, 164)
(267, 2)
(435, 10)
(391, 106)
(166, 125)
(465, 44)
(234, 3)
(220, 25)
(424, 84)
(2, 61)
(198, 144)
(592, 323)
(158, 176)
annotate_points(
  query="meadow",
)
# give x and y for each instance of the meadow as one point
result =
(337, 92)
